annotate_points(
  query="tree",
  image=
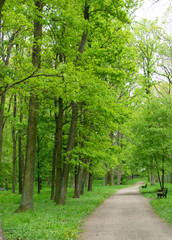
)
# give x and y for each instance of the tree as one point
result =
(152, 142)
(27, 195)
(147, 37)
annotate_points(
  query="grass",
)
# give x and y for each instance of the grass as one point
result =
(49, 221)
(162, 206)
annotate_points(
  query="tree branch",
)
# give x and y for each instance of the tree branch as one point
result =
(23, 80)
(10, 46)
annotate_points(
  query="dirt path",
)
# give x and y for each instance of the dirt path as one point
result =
(126, 215)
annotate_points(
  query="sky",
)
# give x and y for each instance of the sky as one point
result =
(153, 10)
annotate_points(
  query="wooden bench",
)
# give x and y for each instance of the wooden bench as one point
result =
(145, 186)
(161, 193)
(2, 189)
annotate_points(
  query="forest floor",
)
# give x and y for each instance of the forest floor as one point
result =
(126, 215)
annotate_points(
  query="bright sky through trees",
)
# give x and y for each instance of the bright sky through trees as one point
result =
(152, 10)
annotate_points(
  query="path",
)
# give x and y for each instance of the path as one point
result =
(126, 215)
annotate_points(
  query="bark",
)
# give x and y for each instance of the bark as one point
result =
(112, 170)
(112, 176)
(152, 177)
(163, 172)
(90, 181)
(70, 145)
(14, 147)
(159, 178)
(54, 155)
(1, 6)
(119, 174)
(59, 126)
(106, 178)
(7, 183)
(2, 104)
(21, 157)
(83, 180)
(72, 181)
(85, 33)
(38, 165)
(27, 195)
(78, 174)
(11, 40)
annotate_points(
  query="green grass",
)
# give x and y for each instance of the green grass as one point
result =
(49, 221)
(163, 206)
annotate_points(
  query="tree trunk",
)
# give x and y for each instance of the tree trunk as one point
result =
(78, 174)
(159, 178)
(90, 181)
(83, 180)
(2, 105)
(7, 183)
(119, 174)
(112, 176)
(152, 177)
(105, 180)
(54, 155)
(72, 181)
(59, 126)
(1, 6)
(38, 165)
(14, 147)
(163, 172)
(70, 145)
(27, 195)
(21, 157)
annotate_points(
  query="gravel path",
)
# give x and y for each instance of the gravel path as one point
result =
(126, 215)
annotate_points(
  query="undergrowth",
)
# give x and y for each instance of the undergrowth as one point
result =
(48, 221)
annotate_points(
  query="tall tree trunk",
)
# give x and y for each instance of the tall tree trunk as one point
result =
(159, 178)
(21, 157)
(163, 171)
(78, 174)
(90, 181)
(70, 145)
(83, 180)
(27, 195)
(2, 104)
(1, 6)
(54, 154)
(59, 126)
(152, 177)
(38, 165)
(105, 180)
(14, 147)
(112, 176)
(72, 181)
(119, 174)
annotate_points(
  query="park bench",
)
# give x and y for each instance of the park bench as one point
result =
(2, 189)
(145, 186)
(161, 193)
